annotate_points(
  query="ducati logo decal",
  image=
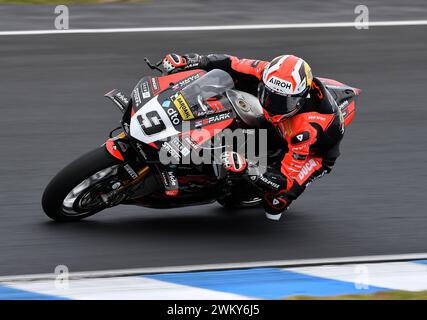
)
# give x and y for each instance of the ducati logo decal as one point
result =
(307, 168)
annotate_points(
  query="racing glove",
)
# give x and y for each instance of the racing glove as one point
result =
(175, 61)
(273, 186)
(276, 200)
(233, 162)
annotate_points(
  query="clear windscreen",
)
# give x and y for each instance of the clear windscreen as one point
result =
(212, 84)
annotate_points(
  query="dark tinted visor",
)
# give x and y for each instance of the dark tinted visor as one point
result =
(276, 104)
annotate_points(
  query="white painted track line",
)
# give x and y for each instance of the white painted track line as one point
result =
(392, 275)
(127, 288)
(222, 266)
(220, 28)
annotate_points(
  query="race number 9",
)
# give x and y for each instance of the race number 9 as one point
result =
(151, 123)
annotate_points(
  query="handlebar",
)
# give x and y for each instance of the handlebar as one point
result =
(155, 66)
(158, 68)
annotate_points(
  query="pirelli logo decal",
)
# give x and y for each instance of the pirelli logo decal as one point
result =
(182, 107)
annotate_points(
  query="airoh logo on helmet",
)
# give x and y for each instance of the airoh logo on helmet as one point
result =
(279, 86)
(282, 84)
(288, 75)
(286, 82)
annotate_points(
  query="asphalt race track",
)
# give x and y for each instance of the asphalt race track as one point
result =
(162, 13)
(53, 110)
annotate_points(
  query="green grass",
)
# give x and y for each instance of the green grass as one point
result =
(384, 295)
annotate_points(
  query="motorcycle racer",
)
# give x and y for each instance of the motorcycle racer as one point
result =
(297, 105)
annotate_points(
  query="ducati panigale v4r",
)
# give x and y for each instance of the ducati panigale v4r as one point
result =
(166, 113)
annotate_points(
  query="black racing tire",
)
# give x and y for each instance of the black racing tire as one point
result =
(70, 177)
(232, 202)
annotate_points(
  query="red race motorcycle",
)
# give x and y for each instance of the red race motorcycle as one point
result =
(174, 116)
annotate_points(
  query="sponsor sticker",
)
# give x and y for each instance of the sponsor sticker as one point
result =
(189, 142)
(213, 119)
(185, 82)
(343, 104)
(299, 157)
(279, 85)
(342, 121)
(121, 97)
(319, 118)
(269, 182)
(145, 90)
(173, 116)
(219, 117)
(137, 97)
(200, 122)
(182, 107)
(166, 104)
(179, 147)
(130, 171)
(154, 84)
(141, 150)
(166, 146)
(169, 179)
(307, 169)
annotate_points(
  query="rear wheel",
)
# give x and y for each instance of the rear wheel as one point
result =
(80, 189)
(231, 202)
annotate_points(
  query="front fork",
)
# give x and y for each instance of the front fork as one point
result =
(136, 171)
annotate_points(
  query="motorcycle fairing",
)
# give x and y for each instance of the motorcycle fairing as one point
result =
(151, 123)
(112, 148)
(118, 98)
(219, 117)
(149, 86)
(345, 96)
(163, 118)
(211, 129)
(158, 120)
(145, 91)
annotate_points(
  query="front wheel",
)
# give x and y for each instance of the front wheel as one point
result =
(78, 191)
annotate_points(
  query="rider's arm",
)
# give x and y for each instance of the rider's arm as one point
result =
(299, 145)
(235, 66)
(284, 182)
(238, 68)
(281, 176)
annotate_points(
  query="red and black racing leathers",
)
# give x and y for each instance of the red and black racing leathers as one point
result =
(312, 135)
